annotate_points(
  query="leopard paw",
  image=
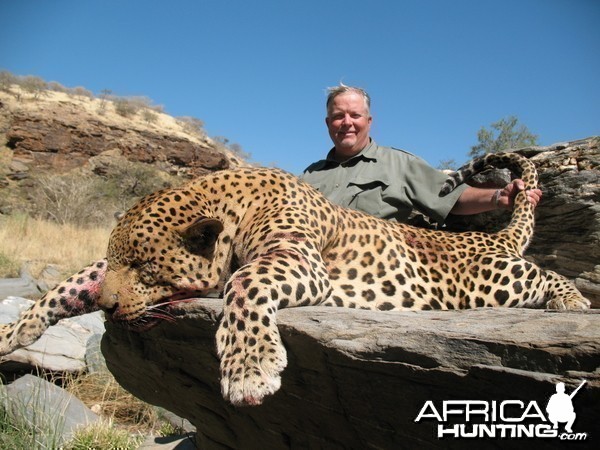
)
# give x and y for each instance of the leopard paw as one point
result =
(569, 302)
(7, 339)
(75, 296)
(251, 364)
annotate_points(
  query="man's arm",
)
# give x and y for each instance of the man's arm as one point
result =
(477, 200)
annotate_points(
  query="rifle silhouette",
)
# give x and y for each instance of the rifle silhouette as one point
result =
(577, 390)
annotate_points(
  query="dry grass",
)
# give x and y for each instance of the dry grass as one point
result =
(102, 394)
(39, 243)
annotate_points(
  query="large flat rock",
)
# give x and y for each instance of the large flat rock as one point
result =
(358, 379)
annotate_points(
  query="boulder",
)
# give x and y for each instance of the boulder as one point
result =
(51, 411)
(62, 347)
(358, 379)
(23, 286)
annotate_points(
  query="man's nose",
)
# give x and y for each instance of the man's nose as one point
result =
(347, 120)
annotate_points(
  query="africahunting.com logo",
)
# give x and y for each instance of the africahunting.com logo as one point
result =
(507, 419)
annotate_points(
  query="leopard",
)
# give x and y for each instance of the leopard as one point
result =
(264, 240)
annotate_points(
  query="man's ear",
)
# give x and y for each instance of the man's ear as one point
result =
(200, 237)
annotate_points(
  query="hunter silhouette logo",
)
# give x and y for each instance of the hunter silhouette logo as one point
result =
(505, 419)
(560, 407)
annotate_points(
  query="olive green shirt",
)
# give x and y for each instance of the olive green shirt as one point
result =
(384, 182)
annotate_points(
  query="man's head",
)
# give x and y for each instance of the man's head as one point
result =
(348, 120)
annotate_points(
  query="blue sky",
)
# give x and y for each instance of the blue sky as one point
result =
(256, 71)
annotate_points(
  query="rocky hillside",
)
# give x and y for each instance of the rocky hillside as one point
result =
(55, 132)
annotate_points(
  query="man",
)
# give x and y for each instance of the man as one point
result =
(386, 182)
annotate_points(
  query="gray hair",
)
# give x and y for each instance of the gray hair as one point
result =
(333, 92)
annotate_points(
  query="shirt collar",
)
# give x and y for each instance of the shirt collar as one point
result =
(366, 154)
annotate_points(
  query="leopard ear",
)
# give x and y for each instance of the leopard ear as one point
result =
(200, 237)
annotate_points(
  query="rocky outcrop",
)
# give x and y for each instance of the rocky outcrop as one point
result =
(358, 379)
(67, 139)
(567, 229)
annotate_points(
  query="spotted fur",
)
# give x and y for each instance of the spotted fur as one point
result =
(267, 241)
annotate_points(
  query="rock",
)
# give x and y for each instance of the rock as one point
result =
(62, 142)
(61, 348)
(358, 379)
(94, 360)
(185, 442)
(567, 229)
(176, 421)
(53, 412)
(12, 307)
(23, 286)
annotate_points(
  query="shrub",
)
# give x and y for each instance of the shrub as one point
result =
(191, 125)
(81, 92)
(57, 87)
(126, 108)
(7, 79)
(149, 116)
(33, 85)
(69, 199)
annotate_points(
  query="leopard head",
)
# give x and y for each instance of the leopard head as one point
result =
(162, 251)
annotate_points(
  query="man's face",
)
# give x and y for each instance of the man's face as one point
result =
(349, 122)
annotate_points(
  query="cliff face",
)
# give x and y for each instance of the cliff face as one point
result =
(53, 143)
(58, 132)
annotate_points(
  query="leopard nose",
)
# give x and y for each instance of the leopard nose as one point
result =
(109, 305)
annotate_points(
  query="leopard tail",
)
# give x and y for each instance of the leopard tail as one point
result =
(520, 229)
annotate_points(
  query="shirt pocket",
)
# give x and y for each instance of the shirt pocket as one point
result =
(366, 194)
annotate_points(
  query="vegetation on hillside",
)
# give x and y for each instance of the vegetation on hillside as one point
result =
(141, 107)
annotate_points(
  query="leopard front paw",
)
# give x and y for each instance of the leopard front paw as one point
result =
(251, 362)
(7, 341)
(14, 336)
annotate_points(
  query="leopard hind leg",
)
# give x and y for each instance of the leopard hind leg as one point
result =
(73, 297)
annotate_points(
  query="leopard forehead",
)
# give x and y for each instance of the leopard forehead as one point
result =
(154, 224)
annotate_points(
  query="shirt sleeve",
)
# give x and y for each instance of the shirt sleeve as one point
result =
(420, 183)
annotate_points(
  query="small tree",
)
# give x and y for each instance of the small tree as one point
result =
(105, 95)
(34, 85)
(505, 134)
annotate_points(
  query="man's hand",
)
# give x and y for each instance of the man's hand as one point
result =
(506, 196)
